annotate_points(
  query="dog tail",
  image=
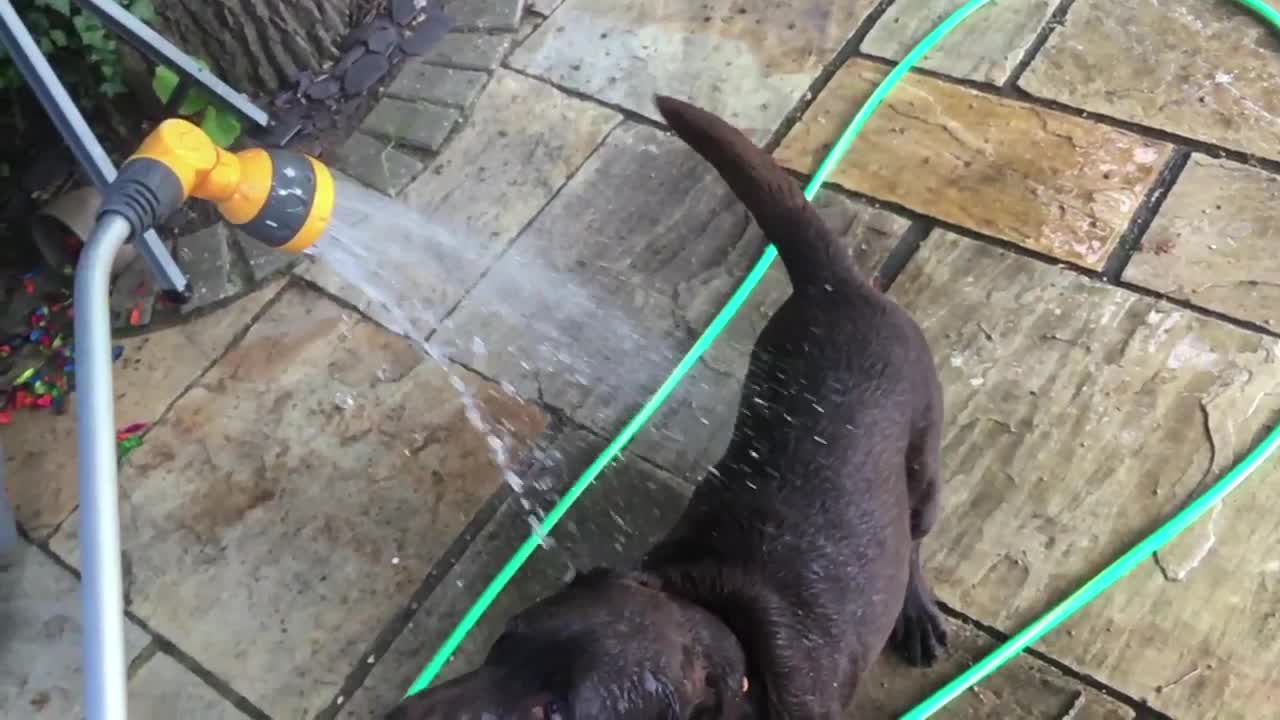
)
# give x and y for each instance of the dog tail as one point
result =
(789, 221)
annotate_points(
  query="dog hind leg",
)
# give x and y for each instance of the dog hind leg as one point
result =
(920, 634)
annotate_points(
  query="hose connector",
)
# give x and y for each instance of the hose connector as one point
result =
(281, 198)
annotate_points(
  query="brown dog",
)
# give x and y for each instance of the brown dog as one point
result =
(797, 559)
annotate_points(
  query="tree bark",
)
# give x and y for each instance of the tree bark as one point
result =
(258, 45)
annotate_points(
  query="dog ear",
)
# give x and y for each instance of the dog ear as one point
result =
(763, 624)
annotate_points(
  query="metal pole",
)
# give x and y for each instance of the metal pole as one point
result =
(66, 117)
(101, 587)
(162, 52)
(8, 523)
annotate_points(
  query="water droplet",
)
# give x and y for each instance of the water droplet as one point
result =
(344, 400)
(517, 485)
(395, 561)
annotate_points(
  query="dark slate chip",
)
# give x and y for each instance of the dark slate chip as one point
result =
(383, 40)
(364, 73)
(357, 37)
(325, 89)
(403, 11)
(425, 36)
(348, 59)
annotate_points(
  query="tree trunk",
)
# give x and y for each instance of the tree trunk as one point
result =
(258, 45)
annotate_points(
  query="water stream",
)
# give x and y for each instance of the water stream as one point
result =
(414, 271)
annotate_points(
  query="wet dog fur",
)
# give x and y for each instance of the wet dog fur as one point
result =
(797, 559)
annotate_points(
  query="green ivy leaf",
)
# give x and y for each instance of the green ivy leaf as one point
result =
(58, 38)
(45, 44)
(165, 81)
(95, 39)
(221, 127)
(143, 10)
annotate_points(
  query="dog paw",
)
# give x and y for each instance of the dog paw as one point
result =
(920, 635)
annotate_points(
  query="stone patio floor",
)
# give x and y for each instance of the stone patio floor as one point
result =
(1077, 199)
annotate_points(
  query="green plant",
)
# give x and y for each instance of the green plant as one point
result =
(220, 125)
(86, 56)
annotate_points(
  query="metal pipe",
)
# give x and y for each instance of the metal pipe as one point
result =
(8, 523)
(101, 587)
(71, 125)
(162, 52)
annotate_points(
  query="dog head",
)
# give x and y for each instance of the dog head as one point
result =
(608, 645)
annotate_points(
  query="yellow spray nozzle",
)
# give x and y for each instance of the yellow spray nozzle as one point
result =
(281, 198)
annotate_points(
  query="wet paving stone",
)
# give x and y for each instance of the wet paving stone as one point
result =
(470, 51)
(986, 48)
(1079, 417)
(495, 176)
(153, 371)
(1045, 180)
(485, 14)
(628, 509)
(41, 638)
(1206, 70)
(378, 163)
(415, 125)
(1213, 242)
(438, 85)
(312, 477)
(163, 686)
(750, 62)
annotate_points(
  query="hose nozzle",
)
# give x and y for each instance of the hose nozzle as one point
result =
(281, 198)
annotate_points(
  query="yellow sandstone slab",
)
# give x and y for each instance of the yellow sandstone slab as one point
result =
(1045, 180)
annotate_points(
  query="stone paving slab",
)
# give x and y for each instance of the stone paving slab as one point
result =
(416, 125)
(1025, 689)
(494, 177)
(205, 258)
(1207, 70)
(617, 519)
(485, 14)
(41, 670)
(448, 87)
(1213, 242)
(165, 689)
(154, 370)
(378, 163)
(297, 496)
(1079, 416)
(749, 61)
(1048, 181)
(986, 48)
(470, 51)
(607, 289)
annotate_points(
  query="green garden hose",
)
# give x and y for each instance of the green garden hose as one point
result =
(1017, 643)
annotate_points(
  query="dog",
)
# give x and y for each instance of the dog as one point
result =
(797, 559)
